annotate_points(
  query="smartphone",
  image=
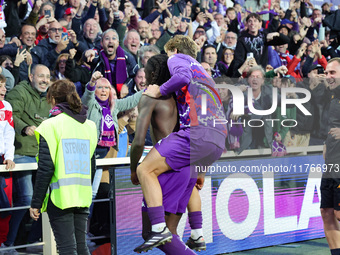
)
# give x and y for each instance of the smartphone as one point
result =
(320, 70)
(250, 55)
(47, 13)
(22, 48)
(185, 19)
(64, 36)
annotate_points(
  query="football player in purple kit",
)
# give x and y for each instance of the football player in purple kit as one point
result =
(176, 186)
(199, 142)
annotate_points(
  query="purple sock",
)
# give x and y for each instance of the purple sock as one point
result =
(176, 247)
(195, 220)
(156, 214)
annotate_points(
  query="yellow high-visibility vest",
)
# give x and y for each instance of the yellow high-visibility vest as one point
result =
(71, 146)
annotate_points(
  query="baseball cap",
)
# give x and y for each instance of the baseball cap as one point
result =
(68, 11)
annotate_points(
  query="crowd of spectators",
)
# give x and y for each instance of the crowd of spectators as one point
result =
(254, 44)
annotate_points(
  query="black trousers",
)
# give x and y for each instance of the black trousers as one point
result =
(69, 229)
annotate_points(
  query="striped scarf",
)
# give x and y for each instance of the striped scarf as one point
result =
(285, 59)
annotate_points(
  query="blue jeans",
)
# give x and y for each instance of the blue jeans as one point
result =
(22, 196)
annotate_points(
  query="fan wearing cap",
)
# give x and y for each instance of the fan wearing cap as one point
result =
(285, 27)
(69, 14)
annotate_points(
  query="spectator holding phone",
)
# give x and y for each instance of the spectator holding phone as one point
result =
(40, 10)
(256, 42)
(28, 35)
(48, 50)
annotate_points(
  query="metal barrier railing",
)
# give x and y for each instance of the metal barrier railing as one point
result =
(49, 245)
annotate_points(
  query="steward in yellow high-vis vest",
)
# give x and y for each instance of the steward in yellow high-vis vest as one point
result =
(67, 141)
(71, 145)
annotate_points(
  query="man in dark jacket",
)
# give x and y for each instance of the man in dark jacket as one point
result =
(256, 42)
(27, 37)
(89, 34)
(117, 65)
(258, 136)
(321, 97)
(48, 50)
(330, 200)
(30, 108)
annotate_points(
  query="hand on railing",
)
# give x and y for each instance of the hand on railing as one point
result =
(9, 164)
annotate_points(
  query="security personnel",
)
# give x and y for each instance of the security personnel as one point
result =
(67, 141)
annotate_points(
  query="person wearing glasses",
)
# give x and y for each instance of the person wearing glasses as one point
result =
(49, 49)
(227, 58)
(103, 107)
(230, 40)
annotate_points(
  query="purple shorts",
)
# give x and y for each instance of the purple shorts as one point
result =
(182, 155)
(176, 188)
(180, 151)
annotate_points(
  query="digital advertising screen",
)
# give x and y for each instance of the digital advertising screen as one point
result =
(246, 204)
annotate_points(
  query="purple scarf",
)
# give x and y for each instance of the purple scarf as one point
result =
(120, 71)
(284, 57)
(265, 12)
(239, 20)
(107, 131)
(278, 149)
(221, 62)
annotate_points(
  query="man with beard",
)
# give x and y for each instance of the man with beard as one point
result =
(116, 65)
(143, 28)
(30, 108)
